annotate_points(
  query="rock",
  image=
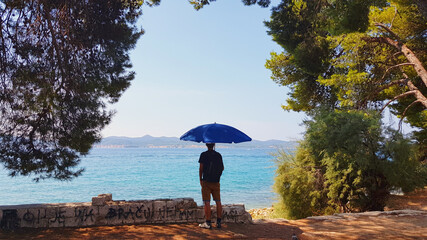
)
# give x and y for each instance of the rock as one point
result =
(99, 201)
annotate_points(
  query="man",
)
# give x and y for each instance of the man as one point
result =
(210, 171)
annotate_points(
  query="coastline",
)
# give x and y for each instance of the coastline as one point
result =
(135, 174)
(413, 201)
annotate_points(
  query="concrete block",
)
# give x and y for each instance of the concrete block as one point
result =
(229, 214)
(119, 214)
(103, 210)
(69, 212)
(107, 196)
(159, 211)
(31, 217)
(188, 215)
(188, 203)
(159, 204)
(136, 212)
(42, 223)
(70, 222)
(27, 217)
(99, 201)
(84, 216)
(180, 210)
(171, 210)
(41, 217)
(200, 214)
(108, 212)
(56, 217)
(233, 211)
(50, 212)
(145, 212)
(56, 224)
(246, 218)
(238, 208)
(100, 220)
(172, 203)
(126, 214)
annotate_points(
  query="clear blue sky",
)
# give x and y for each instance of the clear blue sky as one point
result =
(197, 67)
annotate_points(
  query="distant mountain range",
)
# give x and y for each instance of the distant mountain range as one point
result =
(148, 141)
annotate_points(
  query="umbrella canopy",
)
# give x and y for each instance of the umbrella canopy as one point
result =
(215, 133)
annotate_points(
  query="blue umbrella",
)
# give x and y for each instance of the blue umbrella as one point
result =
(215, 133)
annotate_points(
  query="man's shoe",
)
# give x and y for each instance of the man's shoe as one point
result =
(218, 225)
(205, 225)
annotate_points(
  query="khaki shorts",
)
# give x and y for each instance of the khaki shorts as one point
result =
(209, 188)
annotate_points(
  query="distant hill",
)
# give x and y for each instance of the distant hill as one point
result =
(148, 141)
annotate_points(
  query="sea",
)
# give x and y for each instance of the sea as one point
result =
(151, 173)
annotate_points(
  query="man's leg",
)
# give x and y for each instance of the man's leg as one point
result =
(207, 208)
(216, 194)
(218, 213)
(206, 196)
(218, 209)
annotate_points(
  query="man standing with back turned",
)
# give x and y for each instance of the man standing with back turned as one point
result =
(210, 171)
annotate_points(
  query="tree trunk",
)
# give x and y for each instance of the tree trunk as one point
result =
(419, 68)
(410, 56)
(418, 95)
(421, 71)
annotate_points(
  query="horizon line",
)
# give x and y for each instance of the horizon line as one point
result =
(148, 135)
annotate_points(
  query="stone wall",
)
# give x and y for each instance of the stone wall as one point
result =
(104, 211)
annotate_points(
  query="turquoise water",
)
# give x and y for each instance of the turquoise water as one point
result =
(134, 174)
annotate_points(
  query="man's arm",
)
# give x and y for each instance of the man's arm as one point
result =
(200, 173)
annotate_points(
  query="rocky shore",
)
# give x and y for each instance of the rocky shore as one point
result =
(261, 213)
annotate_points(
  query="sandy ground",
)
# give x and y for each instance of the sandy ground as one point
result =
(376, 226)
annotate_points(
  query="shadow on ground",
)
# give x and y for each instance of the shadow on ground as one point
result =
(260, 230)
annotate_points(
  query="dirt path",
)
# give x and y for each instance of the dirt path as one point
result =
(410, 224)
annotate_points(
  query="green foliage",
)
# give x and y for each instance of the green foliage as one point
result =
(61, 62)
(405, 171)
(346, 163)
(339, 54)
(306, 92)
(298, 185)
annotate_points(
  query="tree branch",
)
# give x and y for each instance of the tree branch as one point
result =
(383, 87)
(398, 96)
(404, 112)
(397, 65)
(395, 14)
(410, 56)
(400, 81)
(387, 29)
(418, 94)
(396, 53)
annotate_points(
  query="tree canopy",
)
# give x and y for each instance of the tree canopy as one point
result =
(345, 61)
(347, 162)
(353, 55)
(61, 63)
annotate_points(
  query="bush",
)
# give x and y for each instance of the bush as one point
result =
(347, 162)
(299, 186)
